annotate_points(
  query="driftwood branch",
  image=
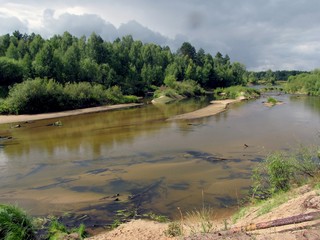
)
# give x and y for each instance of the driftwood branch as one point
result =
(277, 223)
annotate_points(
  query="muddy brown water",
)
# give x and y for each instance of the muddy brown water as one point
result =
(96, 164)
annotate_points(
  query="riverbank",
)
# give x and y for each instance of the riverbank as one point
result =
(216, 106)
(285, 209)
(42, 116)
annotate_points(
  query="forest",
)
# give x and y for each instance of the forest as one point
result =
(135, 68)
(67, 72)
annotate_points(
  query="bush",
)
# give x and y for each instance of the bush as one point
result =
(305, 83)
(235, 92)
(272, 100)
(176, 90)
(34, 96)
(280, 170)
(15, 224)
(43, 95)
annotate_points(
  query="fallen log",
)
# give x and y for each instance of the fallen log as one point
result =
(276, 223)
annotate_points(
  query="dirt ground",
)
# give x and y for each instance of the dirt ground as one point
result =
(300, 201)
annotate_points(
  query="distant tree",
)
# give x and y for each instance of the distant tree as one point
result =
(95, 49)
(187, 50)
(270, 77)
(43, 63)
(12, 52)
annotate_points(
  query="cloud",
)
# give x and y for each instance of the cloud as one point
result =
(142, 33)
(77, 25)
(10, 24)
(261, 34)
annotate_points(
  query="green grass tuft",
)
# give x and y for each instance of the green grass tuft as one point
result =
(15, 224)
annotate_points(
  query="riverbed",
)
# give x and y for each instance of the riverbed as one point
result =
(95, 164)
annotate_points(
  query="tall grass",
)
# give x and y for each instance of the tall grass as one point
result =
(15, 224)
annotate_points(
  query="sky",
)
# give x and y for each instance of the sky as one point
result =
(261, 34)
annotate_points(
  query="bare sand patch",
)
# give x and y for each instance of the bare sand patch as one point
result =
(33, 117)
(214, 108)
(300, 201)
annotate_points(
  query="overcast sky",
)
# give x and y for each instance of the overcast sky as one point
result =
(262, 34)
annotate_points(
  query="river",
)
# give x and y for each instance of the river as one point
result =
(98, 163)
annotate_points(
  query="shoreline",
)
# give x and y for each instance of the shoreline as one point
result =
(42, 116)
(216, 106)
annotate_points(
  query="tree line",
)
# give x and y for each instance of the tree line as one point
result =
(133, 66)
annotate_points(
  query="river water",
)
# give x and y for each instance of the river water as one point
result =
(98, 163)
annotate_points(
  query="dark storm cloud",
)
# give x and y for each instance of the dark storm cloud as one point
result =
(78, 25)
(277, 34)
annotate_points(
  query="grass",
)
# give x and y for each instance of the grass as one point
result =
(239, 214)
(267, 205)
(15, 224)
(193, 222)
(201, 220)
(272, 101)
(59, 231)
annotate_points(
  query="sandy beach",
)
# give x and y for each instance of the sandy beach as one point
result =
(33, 117)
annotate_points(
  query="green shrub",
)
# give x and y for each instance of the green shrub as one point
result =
(235, 92)
(305, 83)
(43, 95)
(174, 230)
(272, 100)
(280, 170)
(176, 89)
(15, 224)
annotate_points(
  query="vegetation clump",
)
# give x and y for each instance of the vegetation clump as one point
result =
(305, 83)
(279, 171)
(15, 224)
(43, 95)
(235, 92)
(177, 90)
(272, 101)
(57, 231)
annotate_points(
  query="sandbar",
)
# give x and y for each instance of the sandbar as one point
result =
(214, 108)
(41, 116)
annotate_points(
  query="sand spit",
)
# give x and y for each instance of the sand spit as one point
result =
(33, 117)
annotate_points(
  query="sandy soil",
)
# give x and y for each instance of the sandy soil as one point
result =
(214, 108)
(300, 201)
(33, 117)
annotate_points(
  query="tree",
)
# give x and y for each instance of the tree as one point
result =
(270, 77)
(71, 64)
(43, 63)
(187, 50)
(95, 49)
(12, 52)
(11, 71)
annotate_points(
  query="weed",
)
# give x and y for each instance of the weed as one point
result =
(116, 223)
(156, 217)
(174, 230)
(240, 214)
(272, 101)
(203, 220)
(58, 230)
